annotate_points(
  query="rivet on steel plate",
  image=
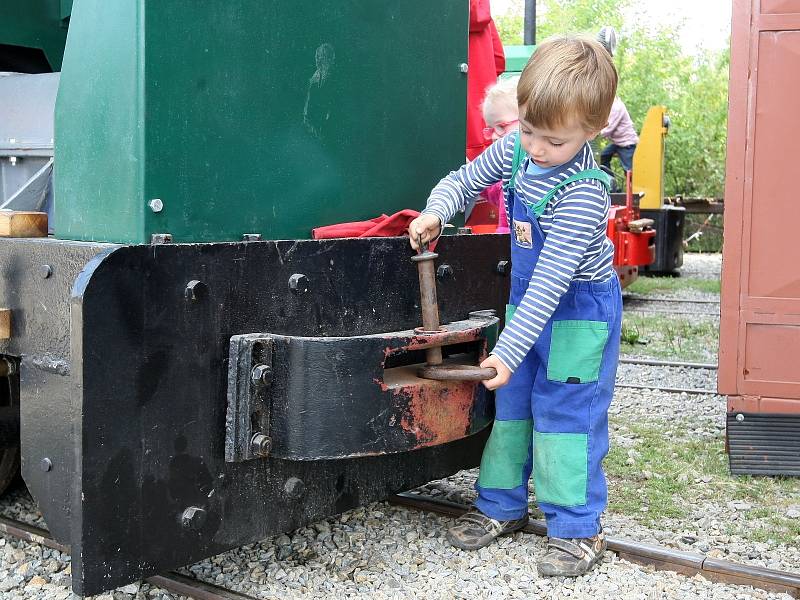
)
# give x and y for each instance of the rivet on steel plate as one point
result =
(46, 464)
(195, 290)
(740, 417)
(502, 267)
(294, 488)
(45, 271)
(298, 283)
(156, 205)
(193, 518)
(444, 272)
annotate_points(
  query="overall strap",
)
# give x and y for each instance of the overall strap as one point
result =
(599, 175)
(519, 156)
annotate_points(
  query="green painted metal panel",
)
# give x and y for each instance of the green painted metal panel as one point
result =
(35, 24)
(99, 125)
(247, 116)
(516, 58)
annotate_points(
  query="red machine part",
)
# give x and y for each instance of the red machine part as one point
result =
(633, 238)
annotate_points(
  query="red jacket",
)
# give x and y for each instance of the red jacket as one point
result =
(486, 62)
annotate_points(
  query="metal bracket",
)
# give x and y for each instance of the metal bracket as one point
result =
(247, 423)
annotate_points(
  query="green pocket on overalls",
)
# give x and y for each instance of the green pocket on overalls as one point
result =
(560, 468)
(576, 351)
(505, 455)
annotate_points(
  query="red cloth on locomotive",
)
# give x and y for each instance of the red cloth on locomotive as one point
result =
(383, 226)
(486, 62)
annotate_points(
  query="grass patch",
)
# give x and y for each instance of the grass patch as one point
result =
(649, 285)
(670, 473)
(651, 480)
(666, 336)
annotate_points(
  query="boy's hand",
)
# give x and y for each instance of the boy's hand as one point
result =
(503, 373)
(425, 226)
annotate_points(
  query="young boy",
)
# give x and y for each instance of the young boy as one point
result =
(557, 356)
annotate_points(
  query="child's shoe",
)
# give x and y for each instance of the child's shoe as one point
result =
(475, 530)
(571, 558)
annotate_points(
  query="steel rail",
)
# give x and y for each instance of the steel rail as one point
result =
(666, 363)
(172, 582)
(655, 311)
(637, 298)
(671, 390)
(659, 557)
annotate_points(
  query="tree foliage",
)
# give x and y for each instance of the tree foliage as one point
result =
(654, 69)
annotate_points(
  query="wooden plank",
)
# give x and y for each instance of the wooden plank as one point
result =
(22, 224)
(5, 323)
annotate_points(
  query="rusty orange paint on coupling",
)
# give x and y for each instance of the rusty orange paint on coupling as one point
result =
(438, 412)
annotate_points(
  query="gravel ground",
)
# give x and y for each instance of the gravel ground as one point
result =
(384, 551)
(701, 266)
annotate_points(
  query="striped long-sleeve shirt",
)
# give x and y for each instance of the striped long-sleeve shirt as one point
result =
(573, 223)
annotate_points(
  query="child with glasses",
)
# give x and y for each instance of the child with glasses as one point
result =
(556, 357)
(501, 113)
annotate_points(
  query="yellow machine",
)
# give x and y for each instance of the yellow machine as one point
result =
(648, 179)
(648, 160)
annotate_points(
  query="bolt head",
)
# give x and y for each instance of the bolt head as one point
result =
(161, 238)
(294, 488)
(156, 205)
(444, 272)
(45, 271)
(298, 283)
(195, 290)
(463, 67)
(503, 267)
(261, 374)
(46, 464)
(261, 445)
(740, 417)
(251, 237)
(193, 518)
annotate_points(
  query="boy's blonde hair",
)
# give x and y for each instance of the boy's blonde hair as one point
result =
(501, 97)
(568, 78)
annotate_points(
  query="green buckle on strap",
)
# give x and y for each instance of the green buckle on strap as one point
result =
(538, 207)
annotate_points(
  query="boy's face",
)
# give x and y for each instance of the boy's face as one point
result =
(553, 147)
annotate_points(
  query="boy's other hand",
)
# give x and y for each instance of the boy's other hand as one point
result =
(425, 226)
(503, 373)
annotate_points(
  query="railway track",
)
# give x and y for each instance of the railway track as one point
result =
(671, 390)
(657, 557)
(639, 304)
(172, 582)
(637, 298)
(666, 363)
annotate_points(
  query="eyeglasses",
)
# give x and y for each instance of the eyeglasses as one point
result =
(499, 128)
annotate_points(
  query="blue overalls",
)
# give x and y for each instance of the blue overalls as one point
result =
(552, 416)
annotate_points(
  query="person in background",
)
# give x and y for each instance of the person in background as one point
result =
(619, 130)
(621, 135)
(501, 114)
(556, 358)
(486, 62)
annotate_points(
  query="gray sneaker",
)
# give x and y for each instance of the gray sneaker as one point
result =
(475, 530)
(571, 558)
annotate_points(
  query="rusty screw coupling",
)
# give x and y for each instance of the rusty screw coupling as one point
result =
(428, 301)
